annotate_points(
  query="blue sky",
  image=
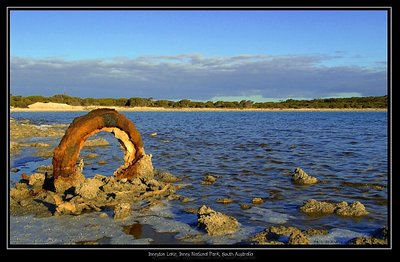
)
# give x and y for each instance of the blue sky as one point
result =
(200, 55)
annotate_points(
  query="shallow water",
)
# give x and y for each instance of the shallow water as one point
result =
(253, 155)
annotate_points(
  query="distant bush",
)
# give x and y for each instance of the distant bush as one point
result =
(353, 102)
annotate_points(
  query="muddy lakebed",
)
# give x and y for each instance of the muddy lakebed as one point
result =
(241, 164)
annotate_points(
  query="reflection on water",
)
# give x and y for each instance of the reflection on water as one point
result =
(135, 230)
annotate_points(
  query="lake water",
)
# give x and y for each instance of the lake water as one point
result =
(253, 155)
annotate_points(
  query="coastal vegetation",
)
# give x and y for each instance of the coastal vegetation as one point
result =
(347, 103)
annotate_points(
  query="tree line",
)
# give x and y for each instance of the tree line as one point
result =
(352, 102)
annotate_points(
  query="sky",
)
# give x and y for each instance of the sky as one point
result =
(261, 55)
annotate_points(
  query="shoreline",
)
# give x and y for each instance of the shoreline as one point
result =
(54, 107)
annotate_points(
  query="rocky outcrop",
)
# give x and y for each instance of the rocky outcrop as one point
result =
(36, 180)
(136, 162)
(216, 223)
(31, 196)
(314, 207)
(166, 176)
(23, 129)
(356, 209)
(90, 188)
(315, 232)
(367, 241)
(298, 238)
(302, 178)
(122, 211)
(274, 235)
(275, 231)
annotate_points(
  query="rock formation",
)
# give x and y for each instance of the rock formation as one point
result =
(314, 207)
(216, 223)
(302, 178)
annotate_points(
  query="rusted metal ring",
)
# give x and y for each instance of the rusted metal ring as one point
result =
(67, 152)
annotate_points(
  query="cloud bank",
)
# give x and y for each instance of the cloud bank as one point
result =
(195, 77)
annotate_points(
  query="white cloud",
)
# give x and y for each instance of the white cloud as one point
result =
(195, 77)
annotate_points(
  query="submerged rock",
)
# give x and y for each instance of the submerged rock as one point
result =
(216, 223)
(209, 180)
(191, 210)
(245, 206)
(257, 200)
(96, 142)
(92, 155)
(224, 200)
(23, 129)
(101, 162)
(381, 233)
(314, 207)
(44, 169)
(302, 178)
(14, 148)
(44, 152)
(39, 145)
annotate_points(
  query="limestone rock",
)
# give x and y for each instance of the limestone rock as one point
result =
(245, 206)
(216, 223)
(65, 207)
(224, 200)
(96, 142)
(315, 232)
(90, 188)
(257, 200)
(283, 231)
(355, 210)
(39, 145)
(145, 167)
(122, 211)
(167, 177)
(367, 241)
(302, 178)
(36, 180)
(298, 238)
(92, 155)
(208, 180)
(44, 169)
(103, 215)
(315, 207)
